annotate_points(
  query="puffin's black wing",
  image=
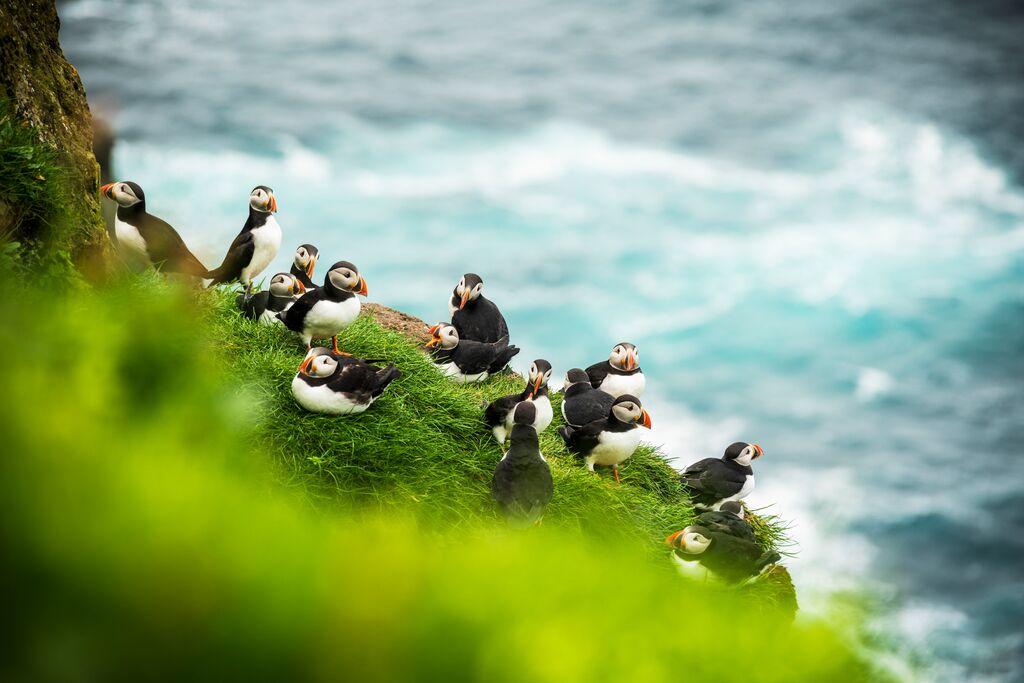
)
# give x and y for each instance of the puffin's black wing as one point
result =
(583, 439)
(166, 249)
(522, 489)
(586, 404)
(726, 523)
(713, 479)
(502, 359)
(480, 321)
(498, 409)
(239, 253)
(384, 377)
(597, 372)
(734, 559)
(256, 304)
(472, 357)
(295, 317)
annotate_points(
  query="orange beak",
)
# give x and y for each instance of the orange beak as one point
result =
(536, 386)
(305, 363)
(302, 287)
(273, 204)
(758, 450)
(465, 298)
(645, 420)
(671, 540)
(630, 360)
(362, 287)
(310, 266)
(434, 342)
(105, 190)
(434, 328)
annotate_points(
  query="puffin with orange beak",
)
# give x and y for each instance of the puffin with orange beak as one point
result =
(144, 239)
(255, 246)
(463, 360)
(339, 385)
(703, 554)
(326, 311)
(620, 374)
(714, 481)
(303, 264)
(612, 440)
(264, 306)
(499, 412)
(474, 316)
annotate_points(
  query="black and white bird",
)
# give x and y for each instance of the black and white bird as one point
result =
(729, 519)
(714, 481)
(499, 412)
(581, 402)
(255, 246)
(475, 316)
(339, 385)
(303, 264)
(264, 306)
(703, 554)
(466, 361)
(144, 239)
(611, 440)
(326, 311)
(522, 483)
(620, 374)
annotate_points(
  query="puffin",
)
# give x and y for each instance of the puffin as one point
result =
(714, 481)
(303, 263)
(522, 484)
(474, 315)
(143, 238)
(620, 374)
(326, 311)
(581, 402)
(339, 385)
(499, 412)
(611, 440)
(255, 246)
(264, 306)
(464, 360)
(729, 519)
(702, 554)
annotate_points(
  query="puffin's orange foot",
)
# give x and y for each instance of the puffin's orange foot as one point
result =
(615, 473)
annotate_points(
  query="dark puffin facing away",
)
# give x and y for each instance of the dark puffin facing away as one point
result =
(466, 361)
(581, 402)
(522, 483)
(264, 306)
(475, 316)
(611, 440)
(621, 373)
(700, 552)
(714, 481)
(339, 385)
(255, 246)
(729, 519)
(326, 311)
(499, 412)
(303, 264)
(143, 238)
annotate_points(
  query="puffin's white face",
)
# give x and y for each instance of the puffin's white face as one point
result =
(624, 357)
(263, 200)
(443, 336)
(322, 366)
(749, 454)
(122, 193)
(285, 284)
(628, 411)
(693, 542)
(468, 291)
(344, 277)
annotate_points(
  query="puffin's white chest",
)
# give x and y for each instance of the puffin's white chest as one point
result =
(617, 385)
(267, 241)
(327, 318)
(693, 569)
(130, 241)
(614, 447)
(452, 371)
(322, 399)
(746, 490)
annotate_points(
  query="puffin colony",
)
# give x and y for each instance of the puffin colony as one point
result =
(601, 404)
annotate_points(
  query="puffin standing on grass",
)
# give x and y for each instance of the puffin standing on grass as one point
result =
(303, 264)
(464, 360)
(499, 412)
(264, 306)
(701, 554)
(145, 239)
(612, 440)
(581, 402)
(714, 481)
(729, 519)
(620, 374)
(475, 316)
(326, 311)
(255, 246)
(522, 483)
(339, 385)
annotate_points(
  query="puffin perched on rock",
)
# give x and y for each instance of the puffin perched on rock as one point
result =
(620, 374)
(701, 554)
(303, 264)
(255, 246)
(714, 481)
(581, 402)
(144, 239)
(326, 311)
(729, 519)
(264, 306)
(475, 316)
(499, 412)
(611, 440)
(464, 360)
(522, 483)
(339, 385)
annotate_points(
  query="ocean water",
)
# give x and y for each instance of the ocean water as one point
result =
(810, 219)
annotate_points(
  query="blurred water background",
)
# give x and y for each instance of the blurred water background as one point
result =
(809, 218)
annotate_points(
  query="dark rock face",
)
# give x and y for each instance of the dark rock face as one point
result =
(46, 94)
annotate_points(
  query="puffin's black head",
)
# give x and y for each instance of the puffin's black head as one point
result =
(742, 452)
(624, 356)
(693, 540)
(540, 373)
(627, 409)
(444, 336)
(733, 507)
(344, 275)
(125, 193)
(525, 413)
(262, 199)
(470, 287)
(576, 376)
(319, 362)
(285, 284)
(305, 258)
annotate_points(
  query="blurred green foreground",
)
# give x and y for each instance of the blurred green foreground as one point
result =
(143, 537)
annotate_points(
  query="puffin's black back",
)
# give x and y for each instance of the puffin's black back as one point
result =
(480, 321)
(583, 404)
(735, 559)
(522, 483)
(726, 523)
